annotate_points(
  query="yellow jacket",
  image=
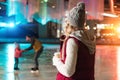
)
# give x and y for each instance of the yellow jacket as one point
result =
(35, 44)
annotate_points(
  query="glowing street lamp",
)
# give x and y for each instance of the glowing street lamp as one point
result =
(45, 0)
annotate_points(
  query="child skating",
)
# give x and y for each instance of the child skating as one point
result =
(17, 55)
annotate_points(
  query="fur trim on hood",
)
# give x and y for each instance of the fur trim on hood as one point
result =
(87, 37)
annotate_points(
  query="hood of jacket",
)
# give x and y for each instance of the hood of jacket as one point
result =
(87, 37)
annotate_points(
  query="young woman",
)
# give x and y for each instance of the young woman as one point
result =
(76, 59)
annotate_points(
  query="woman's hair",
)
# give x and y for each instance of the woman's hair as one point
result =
(28, 35)
(32, 36)
(77, 28)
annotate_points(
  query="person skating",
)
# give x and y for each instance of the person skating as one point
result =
(17, 55)
(38, 48)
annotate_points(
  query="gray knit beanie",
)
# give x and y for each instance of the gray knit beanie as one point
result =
(76, 16)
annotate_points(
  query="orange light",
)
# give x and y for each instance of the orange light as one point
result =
(118, 29)
(118, 63)
(110, 15)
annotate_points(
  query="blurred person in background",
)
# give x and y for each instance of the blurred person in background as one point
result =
(17, 55)
(38, 48)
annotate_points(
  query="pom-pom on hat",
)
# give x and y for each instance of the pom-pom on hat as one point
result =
(76, 16)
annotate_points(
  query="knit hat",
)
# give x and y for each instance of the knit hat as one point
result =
(76, 16)
(17, 44)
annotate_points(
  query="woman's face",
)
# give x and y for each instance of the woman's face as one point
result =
(68, 29)
(27, 38)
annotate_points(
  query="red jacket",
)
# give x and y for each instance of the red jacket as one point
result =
(18, 52)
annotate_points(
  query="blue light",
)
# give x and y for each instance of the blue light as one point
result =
(44, 21)
(10, 63)
(14, 10)
(4, 24)
(11, 24)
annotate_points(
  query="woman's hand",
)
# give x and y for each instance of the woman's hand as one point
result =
(56, 58)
